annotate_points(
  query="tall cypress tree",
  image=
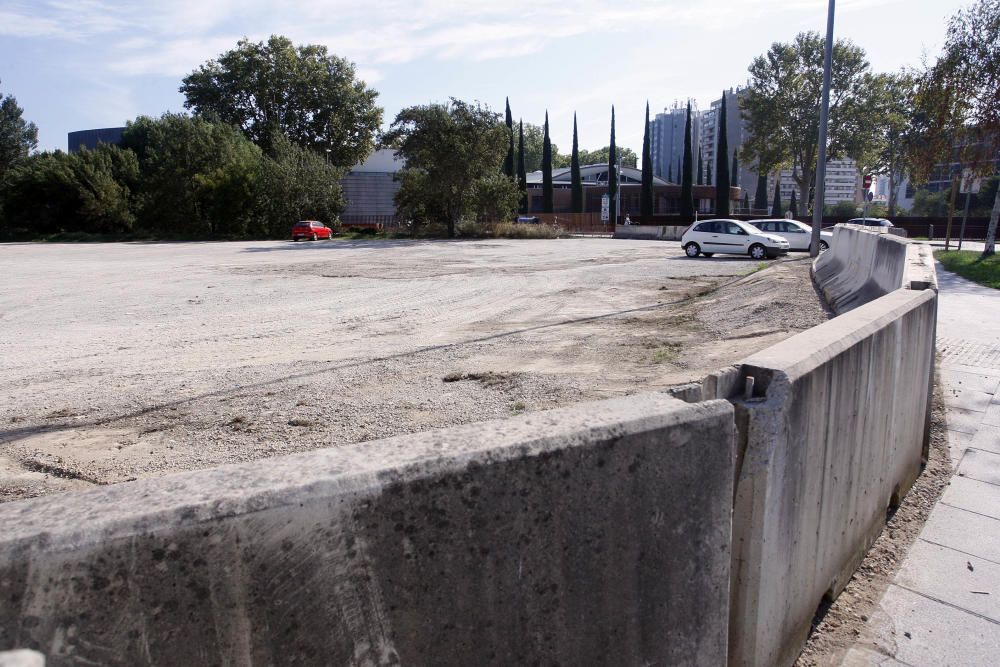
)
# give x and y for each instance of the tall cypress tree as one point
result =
(760, 197)
(508, 164)
(546, 168)
(574, 170)
(612, 162)
(708, 173)
(776, 204)
(746, 202)
(687, 191)
(701, 166)
(734, 172)
(522, 176)
(722, 164)
(793, 206)
(646, 197)
(670, 173)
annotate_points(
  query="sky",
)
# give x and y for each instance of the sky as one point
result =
(81, 64)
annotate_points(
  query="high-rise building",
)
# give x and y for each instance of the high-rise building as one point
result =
(736, 135)
(842, 184)
(666, 139)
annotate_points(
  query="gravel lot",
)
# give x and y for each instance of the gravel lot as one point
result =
(122, 361)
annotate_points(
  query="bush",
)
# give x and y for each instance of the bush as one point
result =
(509, 230)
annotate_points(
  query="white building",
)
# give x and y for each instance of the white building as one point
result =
(842, 184)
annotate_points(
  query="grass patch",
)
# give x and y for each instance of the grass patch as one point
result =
(517, 407)
(666, 353)
(759, 267)
(968, 264)
(508, 230)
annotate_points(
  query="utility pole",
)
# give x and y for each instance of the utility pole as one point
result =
(824, 114)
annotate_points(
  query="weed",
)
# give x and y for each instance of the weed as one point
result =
(301, 422)
(666, 353)
(518, 406)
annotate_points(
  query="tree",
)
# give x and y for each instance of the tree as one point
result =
(196, 178)
(891, 100)
(295, 184)
(495, 198)
(272, 87)
(547, 170)
(612, 161)
(701, 167)
(449, 149)
(776, 204)
(18, 137)
(734, 171)
(576, 183)
(793, 206)
(958, 98)
(687, 191)
(670, 173)
(534, 149)
(760, 196)
(781, 103)
(708, 173)
(508, 163)
(746, 202)
(646, 196)
(602, 156)
(722, 164)
(522, 175)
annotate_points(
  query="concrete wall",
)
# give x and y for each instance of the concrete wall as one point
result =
(597, 534)
(833, 435)
(651, 232)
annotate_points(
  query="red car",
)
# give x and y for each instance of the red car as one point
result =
(310, 229)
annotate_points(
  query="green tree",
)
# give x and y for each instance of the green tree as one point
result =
(495, 198)
(844, 209)
(508, 163)
(958, 98)
(522, 175)
(708, 173)
(760, 196)
(575, 181)
(701, 167)
(891, 107)
(603, 156)
(776, 204)
(687, 191)
(722, 164)
(295, 184)
(546, 169)
(670, 173)
(612, 161)
(305, 93)
(197, 178)
(534, 148)
(646, 196)
(780, 106)
(793, 206)
(18, 137)
(449, 150)
(734, 171)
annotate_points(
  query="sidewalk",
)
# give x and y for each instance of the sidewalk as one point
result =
(943, 606)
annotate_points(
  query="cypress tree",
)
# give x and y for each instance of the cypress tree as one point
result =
(746, 202)
(722, 164)
(701, 167)
(734, 172)
(687, 191)
(776, 204)
(708, 173)
(613, 162)
(760, 197)
(670, 173)
(522, 176)
(646, 198)
(793, 206)
(508, 164)
(546, 168)
(574, 169)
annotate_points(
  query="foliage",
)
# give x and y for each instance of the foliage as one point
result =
(701, 167)
(891, 100)
(271, 88)
(722, 164)
(793, 206)
(18, 137)
(508, 163)
(760, 196)
(687, 191)
(449, 149)
(495, 198)
(534, 148)
(646, 196)
(546, 169)
(780, 106)
(776, 203)
(522, 177)
(603, 156)
(971, 265)
(510, 230)
(576, 183)
(931, 204)
(612, 162)
(87, 192)
(847, 209)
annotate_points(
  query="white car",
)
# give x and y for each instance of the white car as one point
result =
(798, 234)
(875, 224)
(708, 237)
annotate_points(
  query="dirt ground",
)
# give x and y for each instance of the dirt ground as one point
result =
(122, 361)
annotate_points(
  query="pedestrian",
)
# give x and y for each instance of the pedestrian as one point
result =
(628, 221)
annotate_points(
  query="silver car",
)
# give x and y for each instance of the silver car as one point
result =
(708, 237)
(798, 235)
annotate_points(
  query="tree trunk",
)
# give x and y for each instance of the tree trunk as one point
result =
(991, 231)
(892, 193)
(807, 179)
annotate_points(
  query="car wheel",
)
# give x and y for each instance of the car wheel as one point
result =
(692, 250)
(708, 254)
(823, 245)
(314, 236)
(757, 251)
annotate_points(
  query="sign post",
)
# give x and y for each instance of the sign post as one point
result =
(605, 207)
(866, 187)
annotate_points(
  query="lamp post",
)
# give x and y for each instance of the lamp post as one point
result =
(328, 156)
(824, 114)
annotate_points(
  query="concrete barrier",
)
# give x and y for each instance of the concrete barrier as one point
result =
(650, 232)
(834, 434)
(597, 534)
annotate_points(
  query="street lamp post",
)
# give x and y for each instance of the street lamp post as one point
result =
(824, 113)
(328, 156)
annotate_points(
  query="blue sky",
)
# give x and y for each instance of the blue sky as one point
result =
(78, 64)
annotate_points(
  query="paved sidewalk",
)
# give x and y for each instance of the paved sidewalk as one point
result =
(943, 607)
